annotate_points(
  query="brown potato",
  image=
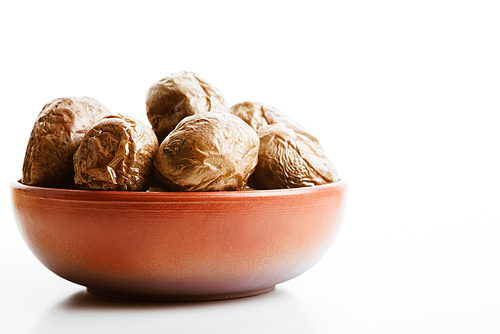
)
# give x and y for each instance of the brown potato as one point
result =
(57, 133)
(288, 159)
(207, 152)
(177, 96)
(116, 154)
(259, 115)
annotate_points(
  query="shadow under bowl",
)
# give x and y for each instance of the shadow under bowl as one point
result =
(179, 246)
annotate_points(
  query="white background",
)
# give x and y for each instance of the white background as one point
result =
(403, 95)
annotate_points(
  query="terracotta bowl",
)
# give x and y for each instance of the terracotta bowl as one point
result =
(179, 246)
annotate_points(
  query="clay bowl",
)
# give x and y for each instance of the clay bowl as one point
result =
(179, 246)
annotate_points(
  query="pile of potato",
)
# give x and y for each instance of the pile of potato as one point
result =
(194, 143)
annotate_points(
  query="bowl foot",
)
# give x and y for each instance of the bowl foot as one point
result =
(180, 298)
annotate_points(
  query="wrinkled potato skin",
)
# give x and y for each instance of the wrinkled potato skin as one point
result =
(259, 115)
(116, 154)
(207, 152)
(177, 96)
(56, 135)
(288, 159)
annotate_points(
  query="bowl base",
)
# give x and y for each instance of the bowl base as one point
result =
(180, 298)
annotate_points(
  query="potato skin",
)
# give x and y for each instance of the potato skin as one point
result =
(207, 152)
(116, 154)
(57, 133)
(288, 159)
(259, 115)
(177, 96)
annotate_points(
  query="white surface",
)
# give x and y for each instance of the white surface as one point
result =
(403, 96)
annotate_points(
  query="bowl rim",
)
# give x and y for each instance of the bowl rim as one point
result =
(93, 195)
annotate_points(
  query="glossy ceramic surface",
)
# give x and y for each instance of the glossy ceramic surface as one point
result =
(179, 246)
